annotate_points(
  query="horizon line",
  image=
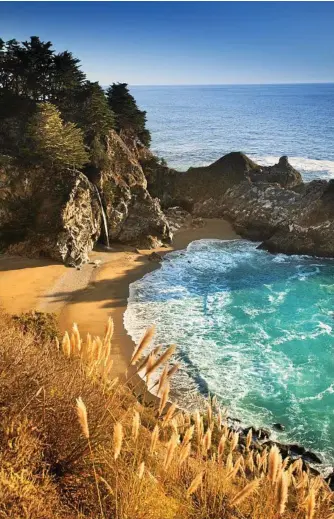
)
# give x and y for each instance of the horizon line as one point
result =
(231, 84)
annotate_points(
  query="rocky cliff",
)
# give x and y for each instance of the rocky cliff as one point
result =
(133, 216)
(58, 214)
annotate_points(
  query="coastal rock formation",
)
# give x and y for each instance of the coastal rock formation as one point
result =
(196, 185)
(133, 216)
(311, 227)
(282, 173)
(269, 204)
(59, 219)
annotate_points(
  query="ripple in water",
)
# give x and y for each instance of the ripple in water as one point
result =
(253, 328)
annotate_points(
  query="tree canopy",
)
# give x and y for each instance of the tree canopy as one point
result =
(37, 83)
(129, 120)
(52, 142)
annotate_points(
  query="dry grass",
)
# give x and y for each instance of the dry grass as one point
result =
(75, 443)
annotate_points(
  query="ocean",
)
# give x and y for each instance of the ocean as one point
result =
(253, 328)
(196, 125)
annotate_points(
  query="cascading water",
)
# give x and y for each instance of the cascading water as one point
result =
(104, 217)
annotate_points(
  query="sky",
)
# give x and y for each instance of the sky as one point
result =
(167, 43)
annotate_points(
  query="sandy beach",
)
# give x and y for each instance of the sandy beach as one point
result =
(90, 295)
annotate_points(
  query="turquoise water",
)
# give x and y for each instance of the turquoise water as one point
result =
(253, 328)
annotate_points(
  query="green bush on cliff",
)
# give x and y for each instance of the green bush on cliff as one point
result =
(52, 142)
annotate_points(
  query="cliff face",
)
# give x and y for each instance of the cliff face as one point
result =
(59, 214)
(57, 217)
(133, 216)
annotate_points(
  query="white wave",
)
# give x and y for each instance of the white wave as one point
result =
(329, 390)
(324, 168)
(327, 329)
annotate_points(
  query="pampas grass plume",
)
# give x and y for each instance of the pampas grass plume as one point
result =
(135, 424)
(282, 491)
(164, 398)
(196, 482)
(145, 341)
(82, 416)
(245, 492)
(117, 439)
(162, 359)
(154, 438)
(66, 345)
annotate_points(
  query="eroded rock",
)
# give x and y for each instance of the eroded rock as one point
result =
(58, 217)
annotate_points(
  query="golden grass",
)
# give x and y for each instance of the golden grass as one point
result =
(77, 443)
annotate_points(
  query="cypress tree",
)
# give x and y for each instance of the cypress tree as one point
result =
(130, 122)
(53, 142)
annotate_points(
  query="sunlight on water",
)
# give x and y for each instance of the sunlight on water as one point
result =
(254, 328)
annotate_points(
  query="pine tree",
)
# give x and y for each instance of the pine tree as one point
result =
(52, 142)
(130, 121)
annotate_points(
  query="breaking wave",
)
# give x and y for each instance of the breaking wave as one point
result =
(253, 328)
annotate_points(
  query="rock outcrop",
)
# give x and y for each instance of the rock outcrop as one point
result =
(282, 173)
(310, 228)
(133, 216)
(269, 204)
(59, 218)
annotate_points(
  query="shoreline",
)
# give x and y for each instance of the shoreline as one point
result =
(97, 291)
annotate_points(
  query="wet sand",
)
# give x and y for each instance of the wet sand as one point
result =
(90, 295)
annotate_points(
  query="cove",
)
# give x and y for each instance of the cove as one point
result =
(253, 328)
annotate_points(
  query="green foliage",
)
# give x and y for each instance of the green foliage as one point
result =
(53, 142)
(33, 76)
(130, 121)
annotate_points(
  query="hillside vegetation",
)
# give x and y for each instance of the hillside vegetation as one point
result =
(76, 443)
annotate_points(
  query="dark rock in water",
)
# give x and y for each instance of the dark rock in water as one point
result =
(279, 427)
(154, 256)
(258, 434)
(311, 457)
(294, 450)
(264, 203)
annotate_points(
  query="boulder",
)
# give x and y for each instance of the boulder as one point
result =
(59, 218)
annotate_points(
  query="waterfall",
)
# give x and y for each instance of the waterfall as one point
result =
(104, 217)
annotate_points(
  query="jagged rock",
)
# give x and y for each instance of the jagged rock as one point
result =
(282, 173)
(57, 218)
(311, 229)
(188, 188)
(133, 216)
